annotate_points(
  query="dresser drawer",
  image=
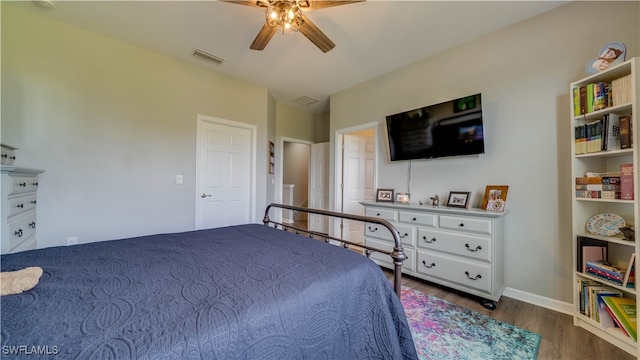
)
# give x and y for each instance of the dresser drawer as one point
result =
(475, 247)
(457, 270)
(21, 184)
(386, 260)
(20, 204)
(27, 244)
(21, 228)
(386, 214)
(420, 219)
(407, 233)
(461, 223)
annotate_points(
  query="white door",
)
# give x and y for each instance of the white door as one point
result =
(319, 186)
(358, 182)
(224, 173)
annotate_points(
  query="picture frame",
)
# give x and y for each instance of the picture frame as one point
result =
(384, 195)
(495, 197)
(403, 197)
(459, 199)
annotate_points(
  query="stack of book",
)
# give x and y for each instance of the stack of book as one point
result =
(619, 312)
(601, 95)
(606, 272)
(599, 186)
(611, 132)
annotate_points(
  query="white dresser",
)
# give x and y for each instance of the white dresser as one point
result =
(19, 189)
(458, 248)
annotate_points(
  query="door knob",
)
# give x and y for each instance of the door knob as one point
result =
(204, 195)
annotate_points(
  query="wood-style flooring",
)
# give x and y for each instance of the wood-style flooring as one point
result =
(561, 340)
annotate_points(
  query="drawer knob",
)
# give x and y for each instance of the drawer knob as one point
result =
(429, 241)
(24, 184)
(35, 184)
(33, 201)
(18, 233)
(12, 157)
(5, 156)
(470, 249)
(378, 214)
(372, 230)
(461, 225)
(404, 236)
(20, 206)
(367, 252)
(32, 224)
(428, 266)
(414, 219)
(473, 278)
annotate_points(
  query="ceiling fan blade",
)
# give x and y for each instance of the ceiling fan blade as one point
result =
(252, 3)
(319, 4)
(313, 33)
(263, 37)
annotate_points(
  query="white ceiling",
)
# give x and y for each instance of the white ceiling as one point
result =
(372, 37)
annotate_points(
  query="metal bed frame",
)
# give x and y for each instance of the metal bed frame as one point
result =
(398, 256)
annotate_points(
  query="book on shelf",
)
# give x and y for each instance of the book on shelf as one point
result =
(626, 181)
(624, 311)
(580, 139)
(612, 132)
(600, 95)
(596, 293)
(629, 280)
(601, 180)
(605, 272)
(604, 317)
(583, 284)
(625, 132)
(589, 249)
(590, 98)
(576, 102)
(598, 187)
(621, 90)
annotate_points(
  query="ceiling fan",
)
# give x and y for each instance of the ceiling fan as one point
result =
(286, 16)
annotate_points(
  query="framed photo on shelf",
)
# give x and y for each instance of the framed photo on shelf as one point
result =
(384, 195)
(402, 197)
(495, 197)
(459, 199)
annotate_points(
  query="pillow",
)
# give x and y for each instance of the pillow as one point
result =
(15, 282)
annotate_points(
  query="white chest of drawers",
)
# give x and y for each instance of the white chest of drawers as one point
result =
(18, 208)
(458, 248)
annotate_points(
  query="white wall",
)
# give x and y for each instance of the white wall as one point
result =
(523, 73)
(112, 125)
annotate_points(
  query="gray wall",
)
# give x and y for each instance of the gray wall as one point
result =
(523, 73)
(112, 125)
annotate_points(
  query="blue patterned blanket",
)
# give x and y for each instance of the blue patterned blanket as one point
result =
(240, 292)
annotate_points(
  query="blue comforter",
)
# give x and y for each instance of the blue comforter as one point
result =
(240, 292)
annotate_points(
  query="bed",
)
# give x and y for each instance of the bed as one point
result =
(240, 292)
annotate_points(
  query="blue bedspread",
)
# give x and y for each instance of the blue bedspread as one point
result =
(240, 292)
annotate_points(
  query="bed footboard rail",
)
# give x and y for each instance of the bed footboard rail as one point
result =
(398, 256)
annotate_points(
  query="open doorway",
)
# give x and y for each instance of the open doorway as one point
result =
(296, 157)
(356, 168)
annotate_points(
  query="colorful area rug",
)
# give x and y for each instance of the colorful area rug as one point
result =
(443, 330)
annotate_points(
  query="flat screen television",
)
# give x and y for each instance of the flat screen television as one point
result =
(451, 128)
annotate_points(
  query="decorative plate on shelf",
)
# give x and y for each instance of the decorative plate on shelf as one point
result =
(605, 224)
(611, 54)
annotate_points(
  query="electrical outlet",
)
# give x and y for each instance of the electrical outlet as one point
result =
(179, 179)
(72, 240)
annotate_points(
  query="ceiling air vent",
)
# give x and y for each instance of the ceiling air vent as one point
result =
(305, 100)
(209, 57)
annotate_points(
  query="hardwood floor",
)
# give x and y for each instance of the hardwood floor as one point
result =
(561, 340)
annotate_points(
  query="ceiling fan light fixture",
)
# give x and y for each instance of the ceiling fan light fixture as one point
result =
(284, 16)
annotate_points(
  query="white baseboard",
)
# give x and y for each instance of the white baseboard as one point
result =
(555, 305)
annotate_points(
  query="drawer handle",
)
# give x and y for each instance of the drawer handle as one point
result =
(5, 156)
(18, 233)
(32, 224)
(24, 184)
(33, 201)
(12, 157)
(429, 241)
(35, 184)
(473, 278)
(404, 236)
(20, 206)
(428, 266)
(372, 230)
(470, 249)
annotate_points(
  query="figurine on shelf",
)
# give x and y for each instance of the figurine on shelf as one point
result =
(628, 232)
